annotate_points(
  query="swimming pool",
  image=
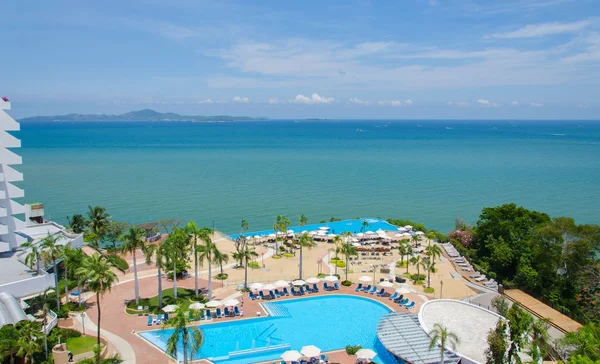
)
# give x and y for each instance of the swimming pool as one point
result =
(353, 225)
(329, 322)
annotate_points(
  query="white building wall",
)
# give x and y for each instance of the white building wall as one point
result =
(29, 287)
(8, 223)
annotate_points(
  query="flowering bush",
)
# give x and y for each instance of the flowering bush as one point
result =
(465, 237)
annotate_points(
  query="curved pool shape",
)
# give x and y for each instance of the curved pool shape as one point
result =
(329, 322)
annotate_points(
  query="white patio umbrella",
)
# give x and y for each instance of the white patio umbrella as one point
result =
(281, 284)
(268, 287)
(360, 235)
(403, 290)
(331, 235)
(289, 231)
(197, 306)
(408, 227)
(170, 308)
(331, 279)
(369, 232)
(419, 233)
(324, 228)
(386, 284)
(365, 354)
(256, 286)
(272, 235)
(298, 282)
(304, 232)
(365, 279)
(356, 244)
(312, 280)
(214, 303)
(291, 355)
(322, 233)
(256, 236)
(231, 302)
(313, 232)
(310, 351)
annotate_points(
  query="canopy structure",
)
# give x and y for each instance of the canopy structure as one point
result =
(10, 310)
(280, 284)
(298, 282)
(231, 302)
(365, 279)
(256, 286)
(268, 287)
(402, 335)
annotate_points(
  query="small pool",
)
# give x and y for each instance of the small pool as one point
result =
(338, 227)
(329, 322)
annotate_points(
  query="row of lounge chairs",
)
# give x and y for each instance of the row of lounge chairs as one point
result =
(205, 315)
(301, 291)
(478, 277)
(405, 302)
(323, 359)
(159, 319)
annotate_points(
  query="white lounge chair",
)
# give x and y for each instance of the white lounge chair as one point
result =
(481, 278)
(491, 282)
(475, 275)
(467, 269)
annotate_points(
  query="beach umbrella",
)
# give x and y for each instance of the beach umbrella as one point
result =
(386, 284)
(312, 280)
(331, 235)
(408, 227)
(213, 304)
(356, 244)
(268, 287)
(322, 233)
(256, 286)
(170, 308)
(365, 354)
(365, 279)
(310, 351)
(289, 231)
(304, 232)
(196, 306)
(231, 302)
(324, 228)
(272, 235)
(419, 233)
(331, 279)
(313, 232)
(298, 282)
(360, 235)
(291, 355)
(369, 232)
(256, 236)
(403, 290)
(280, 284)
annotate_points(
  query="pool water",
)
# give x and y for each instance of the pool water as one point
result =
(338, 227)
(329, 322)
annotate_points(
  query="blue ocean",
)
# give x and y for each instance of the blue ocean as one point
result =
(220, 173)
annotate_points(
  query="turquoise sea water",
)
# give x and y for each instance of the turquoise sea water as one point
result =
(427, 171)
(328, 322)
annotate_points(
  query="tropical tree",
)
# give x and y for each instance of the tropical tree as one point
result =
(363, 226)
(281, 225)
(98, 222)
(240, 243)
(176, 249)
(501, 305)
(207, 251)
(403, 250)
(247, 255)
(42, 302)
(194, 231)
(29, 340)
(77, 223)
(520, 323)
(96, 271)
(433, 252)
(220, 258)
(115, 231)
(337, 241)
(132, 241)
(72, 259)
(540, 343)
(157, 251)
(305, 241)
(586, 341)
(51, 252)
(497, 344)
(444, 337)
(347, 249)
(189, 336)
(8, 342)
(418, 262)
(33, 257)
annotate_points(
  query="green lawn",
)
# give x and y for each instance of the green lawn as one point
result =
(80, 345)
(184, 298)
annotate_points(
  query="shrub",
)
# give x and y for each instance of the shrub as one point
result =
(492, 275)
(334, 259)
(321, 275)
(402, 264)
(253, 265)
(346, 283)
(276, 257)
(288, 255)
(351, 350)
(221, 276)
(282, 248)
(118, 261)
(340, 264)
(428, 290)
(417, 277)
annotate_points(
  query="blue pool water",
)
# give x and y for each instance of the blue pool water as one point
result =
(354, 226)
(329, 322)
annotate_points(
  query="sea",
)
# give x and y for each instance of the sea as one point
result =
(219, 173)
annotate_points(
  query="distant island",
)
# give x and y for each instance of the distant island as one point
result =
(141, 115)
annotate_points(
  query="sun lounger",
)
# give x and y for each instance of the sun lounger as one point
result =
(226, 312)
(381, 292)
(475, 275)
(373, 290)
(150, 320)
(262, 295)
(394, 296)
(480, 278)
(272, 295)
(277, 294)
(166, 318)
(326, 287)
(399, 298)
(285, 291)
(308, 289)
(301, 290)
(467, 269)
(237, 311)
(462, 264)
(410, 305)
(294, 292)
(367, 288)
(315, 288)
(159, 319)
(335, 284)
(219, 315)
(208, 315)
(252, 296)
(491, 282)
(404, 302)
(360, 286)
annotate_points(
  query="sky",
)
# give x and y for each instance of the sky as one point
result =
(397, 59)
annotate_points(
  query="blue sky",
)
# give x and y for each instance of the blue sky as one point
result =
(290, 59)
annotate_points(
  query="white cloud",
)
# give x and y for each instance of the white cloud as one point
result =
(515, 103)
(393, 103)
(535, 104)
(241, 100)
(313, 99)
(487, 103)
(354, 100)
(458, 103)
(408, 102)
(273, 100)
(542, 30)
(209, 101)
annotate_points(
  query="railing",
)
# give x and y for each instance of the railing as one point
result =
(50, 323)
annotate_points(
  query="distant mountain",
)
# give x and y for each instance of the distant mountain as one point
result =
(141, 115)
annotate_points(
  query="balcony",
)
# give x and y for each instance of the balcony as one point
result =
(10, 175)
(8, 157)
(14, 191)
(9, 141)
(3, 229)
(8, 123)
(2, 194)
(4, 105)
(3, 212)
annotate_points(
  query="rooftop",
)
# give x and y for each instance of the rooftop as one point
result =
(12, 270)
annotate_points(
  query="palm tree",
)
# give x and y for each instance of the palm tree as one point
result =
(176, 249)
(157, 251)
(8, 342)
(42, 302)
(540, 339)
(33, 257)
(347, 249)
(281, 225)
(409, 252)
(247, 255)
(364, 226)
(303, 221)
(403, 250)
(193, 230)
(208, 250)
(190, 336)
(433, 252)
(98, 223)
(29, 340)
(115, 231)
(133, 240)
(444, 337)
(240, 243)
(96, 271)
(50, 253)
(221, 258)
(305, 241)
(418, 262)
(338, 249)
(71, 259)
(76, 223)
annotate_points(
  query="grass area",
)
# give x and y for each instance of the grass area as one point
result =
(80, 345)
(184, 298)
(428, 290)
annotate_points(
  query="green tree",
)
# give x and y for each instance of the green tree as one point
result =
(247, 255)
(221, 258)
(540, 343)
(132, 241)
(77, 223)
(33, 257)
(51, 252)
(28, 342)
(418, 262)
(194, 231)
(156, 251)
(177, 249)
(208, 249)
(347, 249)
(42, 303)
(115, 231)
(501, 305)
(98, 222)
(281, 224)
(189, 336)
(586, 341)
(520, 325)
(497, 344)
(8, 342)
(364, 226)
(433, 252)
(96, 271)
(403, 250)
(444, 337)
(305, 241)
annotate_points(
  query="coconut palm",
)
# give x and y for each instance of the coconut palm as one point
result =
(176, 249)
(409, 252)
(132, 241)
(281, 224)
(42, 302)
(77, 223)
(51, 252)
(363, 226)
(418, 262)
(415, 239)
(29, 340)
(337, 241)
(403, 250)
(33, 257)
(305, 241)
(247, 255)
(193, 230)
(347, 249)
(96, 270)
(8, 342)
(220, 258)
(433, 252)
(207, 251)
(444, 337)
(98, 222)
(71, 260)
(190, 336)
(115, 231)
(156, 251)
